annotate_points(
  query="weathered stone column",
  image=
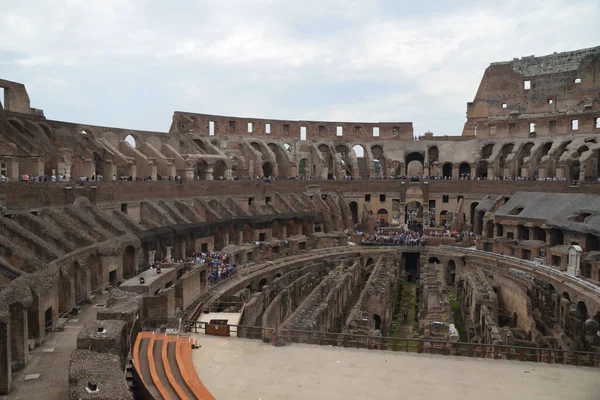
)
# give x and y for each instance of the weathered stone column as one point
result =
(168, 257)
(18, 337)
(5, 358)
(209, 173)
(151, 255)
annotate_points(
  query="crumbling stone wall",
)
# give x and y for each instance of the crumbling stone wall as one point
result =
(372, 314)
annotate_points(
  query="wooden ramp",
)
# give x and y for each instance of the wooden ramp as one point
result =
(164, 367)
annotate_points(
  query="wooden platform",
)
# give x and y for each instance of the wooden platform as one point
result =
(164, 367)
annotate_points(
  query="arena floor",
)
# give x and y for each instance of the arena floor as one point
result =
(250, 369)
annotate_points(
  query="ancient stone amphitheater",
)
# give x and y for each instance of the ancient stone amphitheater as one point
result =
(86, 211)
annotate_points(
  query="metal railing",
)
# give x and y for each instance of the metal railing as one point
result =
(528, 265)
(419, 346)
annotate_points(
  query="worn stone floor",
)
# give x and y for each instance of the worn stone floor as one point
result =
(234, 368)
(51, 361)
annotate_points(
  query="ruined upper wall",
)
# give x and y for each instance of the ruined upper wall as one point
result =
(16, 98)
(215, 125)
(553, 95)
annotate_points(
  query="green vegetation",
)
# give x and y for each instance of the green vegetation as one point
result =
(456, 312)
(407, 296)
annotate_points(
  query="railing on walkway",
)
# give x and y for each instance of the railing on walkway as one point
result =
(532, 354)
(528, 265)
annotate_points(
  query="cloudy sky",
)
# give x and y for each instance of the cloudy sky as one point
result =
(131, 63)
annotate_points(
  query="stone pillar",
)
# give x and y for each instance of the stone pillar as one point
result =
(18, 337)
(131, 170)
(151, 255)
(283, 232)
(474, 173)
(5, 358)
(182, 248)
(188, 174)
(209, 173)
(491, 174)
(110, 169)
(525, 172)
(560, 172)
(455, 171)
(168, 257)
(225, 239)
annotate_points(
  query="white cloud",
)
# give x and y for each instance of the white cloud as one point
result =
(239, 57)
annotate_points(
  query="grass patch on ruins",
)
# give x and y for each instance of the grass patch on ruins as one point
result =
(406, 329)
(456, 312)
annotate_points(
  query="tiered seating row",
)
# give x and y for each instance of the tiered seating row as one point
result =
(165, 369)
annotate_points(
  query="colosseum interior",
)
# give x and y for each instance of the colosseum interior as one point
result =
(101, 230)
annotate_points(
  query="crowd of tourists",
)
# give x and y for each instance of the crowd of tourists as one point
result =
(218, 266)
(395, 237)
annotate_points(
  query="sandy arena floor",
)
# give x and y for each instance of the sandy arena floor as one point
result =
(250, 369)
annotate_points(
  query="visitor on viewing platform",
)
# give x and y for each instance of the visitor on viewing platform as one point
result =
(218, 267)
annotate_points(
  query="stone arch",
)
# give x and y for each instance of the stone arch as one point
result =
(433, 154)
(434, 260)
(18, 125)
(304, 167)
(354, 211)
(131, 140)
(486, 151)
(505, 152)
(482, 169)
(451, 272)
(220, 170)
(382, 216)
(46, 129)
(129, 267)
(464, 170)
(359, 151)
(414, 163)
(582, 311)
(267, 170)
(379, 161)
(98, 164)
(201, 169)
(447, 170)
(262, 283)
(413, 214)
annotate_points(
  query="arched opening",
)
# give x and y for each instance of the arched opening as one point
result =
(201, 169)
(539, 234)
(514, 320)
(267, 170)
(377, 168)
(487, 150)
(354, 210)
(447, 170)
(433, 260)
(482, 170)
(65, 294)
(433, 154)
(574, 169)
(592, 243)
(359, 151)
(382, 216)
(414, 215)
(220, 170)
(131, 140)
(303, 169)
(414, 164)
(129, 262)
(556, 237)
(377, 320)
(472, 214)
(506, 150)
(379, 161)
(522, 232)
(287, 147)
(443, 217)
(582, 311)
(98, 165)
(370, 261)
(451, 272)
(464, 171)
(261, 284)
